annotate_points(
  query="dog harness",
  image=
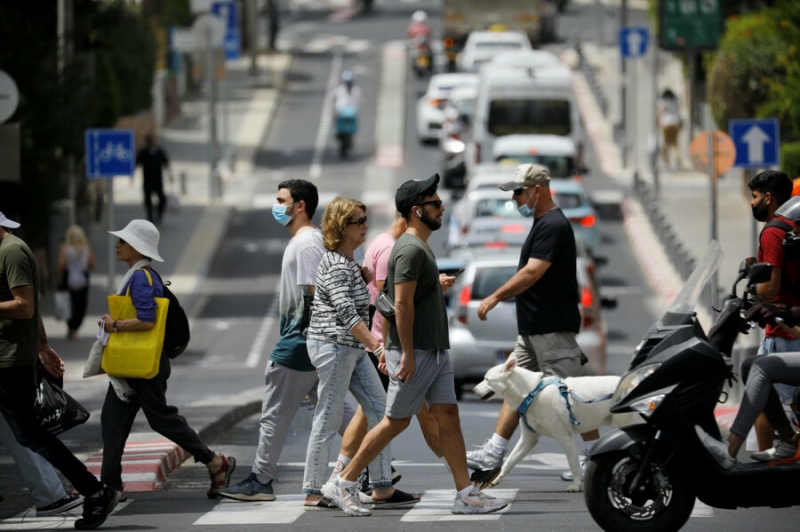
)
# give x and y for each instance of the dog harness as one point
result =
(563, 390)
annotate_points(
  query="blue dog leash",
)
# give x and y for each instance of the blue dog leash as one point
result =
(563, 391)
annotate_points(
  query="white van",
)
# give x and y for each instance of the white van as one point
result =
(522, 101)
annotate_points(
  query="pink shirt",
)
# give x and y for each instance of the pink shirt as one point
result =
(377, 260)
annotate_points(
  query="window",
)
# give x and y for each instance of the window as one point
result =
(525, 116)
(489, 279)
(496, 208)
(558, 165)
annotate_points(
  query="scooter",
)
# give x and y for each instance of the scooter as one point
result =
(346, 128)
(646, 477)
(422, 56)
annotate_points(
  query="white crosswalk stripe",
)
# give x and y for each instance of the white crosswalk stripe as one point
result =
(436, 505)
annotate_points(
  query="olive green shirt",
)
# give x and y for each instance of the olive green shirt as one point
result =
(412, 260)
(19, 339)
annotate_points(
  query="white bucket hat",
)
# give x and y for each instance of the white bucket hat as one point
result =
(142, 236)
(5, 222)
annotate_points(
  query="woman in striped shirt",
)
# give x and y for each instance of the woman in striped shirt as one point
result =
(337, 337)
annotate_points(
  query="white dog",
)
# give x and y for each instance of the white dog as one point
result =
(549, 413)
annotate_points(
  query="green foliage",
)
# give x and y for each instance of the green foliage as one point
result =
(746, 67)
(790, 158)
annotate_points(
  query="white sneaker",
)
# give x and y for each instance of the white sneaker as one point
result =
(345, 498)
(484, 457)
(716, 448)
(784, 452)
(583, 459)
(477, 502)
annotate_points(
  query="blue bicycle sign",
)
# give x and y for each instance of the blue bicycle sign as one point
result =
(109, 153)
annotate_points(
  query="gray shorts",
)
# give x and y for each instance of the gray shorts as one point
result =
(552, 353)
(432, 382)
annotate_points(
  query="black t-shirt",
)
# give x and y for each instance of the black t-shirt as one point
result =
(551, 304)
(152, 161)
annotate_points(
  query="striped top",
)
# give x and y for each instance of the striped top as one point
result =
(340, 302)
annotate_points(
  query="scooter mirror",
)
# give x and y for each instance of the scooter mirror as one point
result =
(746, 264)
(760, 272)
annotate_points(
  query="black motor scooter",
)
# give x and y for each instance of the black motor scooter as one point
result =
(647, 477)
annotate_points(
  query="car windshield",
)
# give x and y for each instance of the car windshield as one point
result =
(498, 45)
(687, 298)
(559, 165)
(529, 117)
(497, 208)
(490, 278)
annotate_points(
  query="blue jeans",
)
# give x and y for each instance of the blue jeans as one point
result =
(40, 477)
(778, 344)
(341, 368)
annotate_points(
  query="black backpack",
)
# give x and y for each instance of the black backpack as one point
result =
(177, 334)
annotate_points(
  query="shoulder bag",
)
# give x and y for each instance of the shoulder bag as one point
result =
(135, 354)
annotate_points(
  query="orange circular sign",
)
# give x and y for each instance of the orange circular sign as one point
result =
(724, 152)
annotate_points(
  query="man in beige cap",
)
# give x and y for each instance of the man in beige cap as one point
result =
(22, 342)
(546, 291)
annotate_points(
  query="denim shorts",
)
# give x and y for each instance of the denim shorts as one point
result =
(779, 344)
(552, 353)
(433, 382)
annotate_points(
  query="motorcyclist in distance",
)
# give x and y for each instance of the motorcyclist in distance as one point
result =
(347, 94)
(419, 27)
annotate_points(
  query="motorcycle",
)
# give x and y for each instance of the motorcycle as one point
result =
(648, 476)
(422, 56)
(346, 128)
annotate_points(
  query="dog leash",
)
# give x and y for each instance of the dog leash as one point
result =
(563, 391)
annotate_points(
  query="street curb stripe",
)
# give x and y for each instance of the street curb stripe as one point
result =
(145, 464)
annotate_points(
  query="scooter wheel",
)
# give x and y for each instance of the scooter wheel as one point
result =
(662, 503)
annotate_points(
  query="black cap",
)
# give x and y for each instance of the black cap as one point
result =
(411, 192)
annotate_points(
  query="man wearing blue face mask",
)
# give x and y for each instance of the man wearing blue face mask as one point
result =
(289, 376)
(546, 291)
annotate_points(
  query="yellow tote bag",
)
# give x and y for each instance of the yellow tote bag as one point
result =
(134, 354)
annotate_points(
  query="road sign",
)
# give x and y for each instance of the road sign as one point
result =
(633, 41)
(757, 142)
(690, 24)
(228, 11)
(724, 152)
(109, 153)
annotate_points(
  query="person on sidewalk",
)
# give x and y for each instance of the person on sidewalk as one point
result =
(669, 121)
(137, 246)
(289, 376)
(47, 490)
(153, 160)
(770, 190)
(545, 289)
(75, 261)
(22, 340)
(416, 357)
(336, 339)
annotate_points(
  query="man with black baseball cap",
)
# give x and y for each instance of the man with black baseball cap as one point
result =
(416, 357)
(22, 342)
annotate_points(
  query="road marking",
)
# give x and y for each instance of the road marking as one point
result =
(284, 510)
(27, 520)
(437, 505)
(315, 171)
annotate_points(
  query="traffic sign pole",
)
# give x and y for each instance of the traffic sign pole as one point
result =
(712, 172)
(112, 248)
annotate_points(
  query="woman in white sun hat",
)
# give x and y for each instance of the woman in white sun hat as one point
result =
(137, 246)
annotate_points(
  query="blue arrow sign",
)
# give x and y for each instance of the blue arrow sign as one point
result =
(633, 41)
(757, 142)
(229, 12)
(109, 153)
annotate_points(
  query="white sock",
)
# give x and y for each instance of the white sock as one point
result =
(466, 491)
(341, 463)
(498, 443)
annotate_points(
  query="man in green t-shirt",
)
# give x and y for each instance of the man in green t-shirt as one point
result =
(22, 342)
(416, 357)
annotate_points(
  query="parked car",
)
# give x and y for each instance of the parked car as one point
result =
(497, 206)
(556, 153)
(481, 46)
(476, 346)
(430, 106)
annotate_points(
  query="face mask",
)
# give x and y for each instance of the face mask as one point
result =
(279, 213)
(526, 211)
(760, 211)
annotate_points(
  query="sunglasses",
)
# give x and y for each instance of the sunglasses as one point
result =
(437, 203)
(360, 222)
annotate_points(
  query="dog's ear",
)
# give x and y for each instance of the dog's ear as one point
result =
(511, 363)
